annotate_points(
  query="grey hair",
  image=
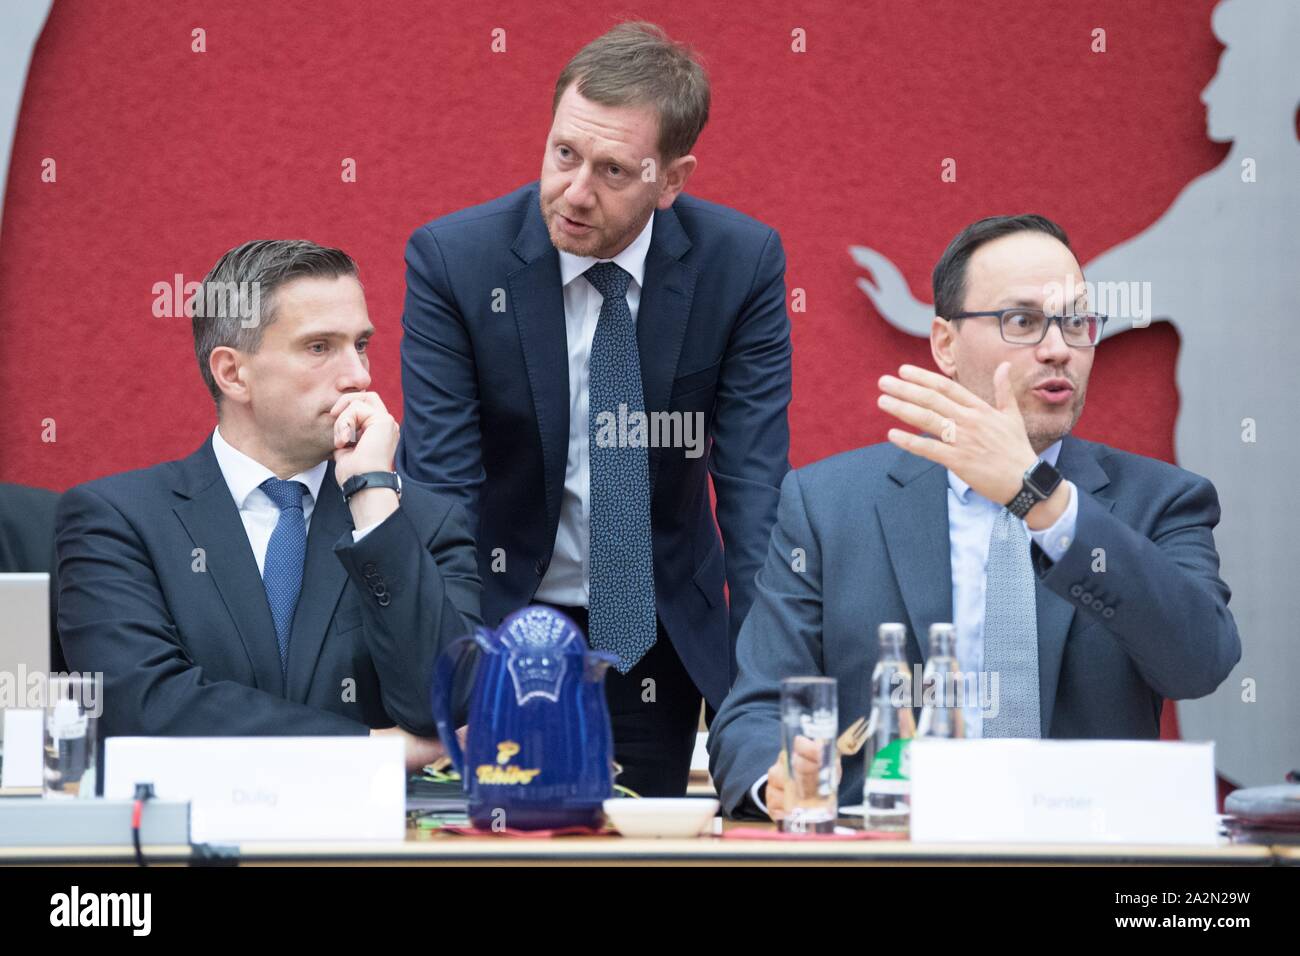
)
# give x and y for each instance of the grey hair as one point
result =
(237, 302)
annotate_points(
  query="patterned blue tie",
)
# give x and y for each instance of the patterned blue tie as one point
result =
(285, 554)
(1011, 630)
(622, 613)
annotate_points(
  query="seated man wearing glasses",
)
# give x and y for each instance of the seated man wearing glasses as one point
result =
(1085, 579)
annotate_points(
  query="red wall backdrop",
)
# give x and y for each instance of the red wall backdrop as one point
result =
(167, 157)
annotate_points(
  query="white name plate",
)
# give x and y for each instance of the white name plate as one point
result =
(246, 789)
(1063, 791)
(24, 740)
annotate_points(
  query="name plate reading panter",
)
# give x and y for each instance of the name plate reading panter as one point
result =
(1063, 791)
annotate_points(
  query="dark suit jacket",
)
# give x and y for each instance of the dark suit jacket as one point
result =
(185, 639)
(487, 403)
(873, 524)
(27, 545)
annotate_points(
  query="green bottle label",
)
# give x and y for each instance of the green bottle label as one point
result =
(890, 761)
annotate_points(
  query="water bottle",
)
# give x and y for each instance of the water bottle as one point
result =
(891, 728)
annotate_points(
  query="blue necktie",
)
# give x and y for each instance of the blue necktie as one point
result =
(1011, 630)
(285, 554)
(622, 612)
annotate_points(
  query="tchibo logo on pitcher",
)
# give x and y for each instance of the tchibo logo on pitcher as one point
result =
(502, 771)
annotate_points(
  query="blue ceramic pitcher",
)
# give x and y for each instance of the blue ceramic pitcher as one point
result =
(539, 751)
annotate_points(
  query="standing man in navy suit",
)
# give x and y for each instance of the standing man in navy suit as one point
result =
(579, 356)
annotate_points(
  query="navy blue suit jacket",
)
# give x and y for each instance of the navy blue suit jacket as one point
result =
(486, 420)
(1114, 639)
(185, 639)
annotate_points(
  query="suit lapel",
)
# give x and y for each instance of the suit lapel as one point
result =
(1077, 463)
(323, 579)
(914, 518)
(537, 296)
(663, 314)
(212, 520)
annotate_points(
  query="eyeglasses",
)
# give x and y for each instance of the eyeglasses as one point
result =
(1081, 330)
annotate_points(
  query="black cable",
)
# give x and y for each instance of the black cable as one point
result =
(143, 793)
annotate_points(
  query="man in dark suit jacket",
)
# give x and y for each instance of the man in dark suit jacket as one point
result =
(539, 324)
(27, 544)
(278, 580)
(1084, 577)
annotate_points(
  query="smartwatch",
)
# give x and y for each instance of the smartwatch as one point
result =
(1038, 484)
(372, 479)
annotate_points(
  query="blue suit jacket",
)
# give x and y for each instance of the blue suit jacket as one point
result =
(873, 526)
(486, 420)
(186, 642)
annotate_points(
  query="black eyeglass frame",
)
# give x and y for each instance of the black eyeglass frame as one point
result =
(1059, 320)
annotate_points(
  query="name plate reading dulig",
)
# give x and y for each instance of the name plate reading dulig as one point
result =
(1063, 791)
(244, 789)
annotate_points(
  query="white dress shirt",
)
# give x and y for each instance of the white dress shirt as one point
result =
(258, 512)
(567, 578)
(970, 524)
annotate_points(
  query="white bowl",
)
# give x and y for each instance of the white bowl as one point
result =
(661, 816)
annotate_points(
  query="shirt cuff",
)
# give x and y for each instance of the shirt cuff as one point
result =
(359, 534)
(753, 794)
(1056, 540)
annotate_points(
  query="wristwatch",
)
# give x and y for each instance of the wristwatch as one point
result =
(1038, 484)
(372, 479)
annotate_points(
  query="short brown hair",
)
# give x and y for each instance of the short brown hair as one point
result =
(637, 63)
(949, 278)
(238, 296)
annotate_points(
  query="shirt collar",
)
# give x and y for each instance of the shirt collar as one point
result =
(1049, 455)
(244, 475)
(631, 259)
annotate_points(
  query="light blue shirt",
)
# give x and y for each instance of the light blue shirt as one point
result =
(970, 524)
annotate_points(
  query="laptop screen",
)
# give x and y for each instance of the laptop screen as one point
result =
(24, 633)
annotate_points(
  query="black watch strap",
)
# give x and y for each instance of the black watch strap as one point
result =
(1022, 502)
(372, 479)
(1039, 482)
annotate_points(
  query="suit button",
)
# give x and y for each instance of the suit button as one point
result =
(1086, 599)
(1076, 590)
(1108, 613)
(541, 566)
(368, 568)
(383, 599)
